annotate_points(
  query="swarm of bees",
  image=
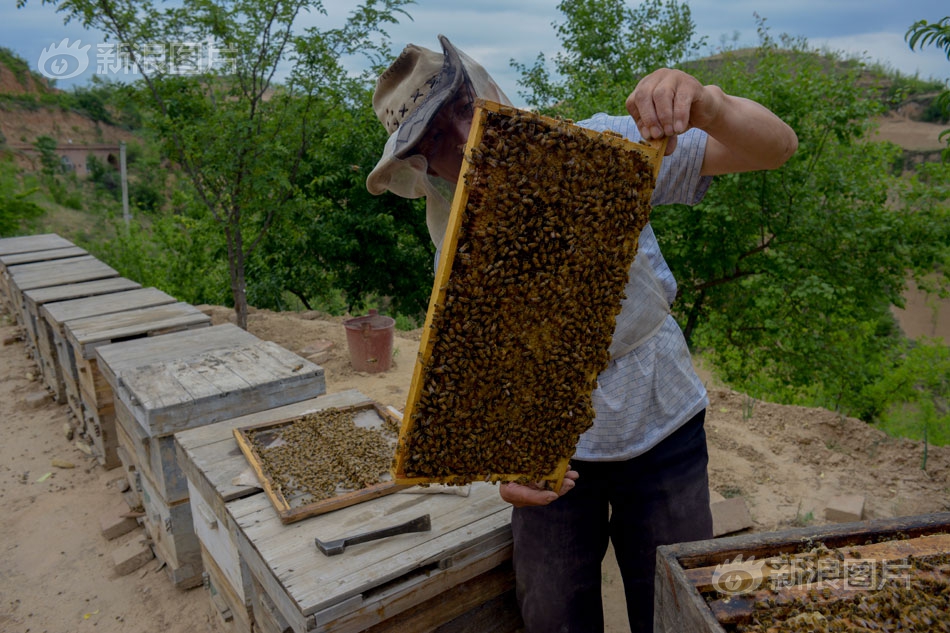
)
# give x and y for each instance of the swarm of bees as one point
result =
(917, 599)
(324, 453)
(521, 325)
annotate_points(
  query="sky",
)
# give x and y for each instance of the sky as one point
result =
(494, 32)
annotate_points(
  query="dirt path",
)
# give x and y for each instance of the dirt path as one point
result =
(57, 574)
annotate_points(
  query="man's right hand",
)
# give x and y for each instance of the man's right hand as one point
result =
(534, 494)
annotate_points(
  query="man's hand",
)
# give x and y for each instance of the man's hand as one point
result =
(743, 134)
(534, 494)
(669, 102)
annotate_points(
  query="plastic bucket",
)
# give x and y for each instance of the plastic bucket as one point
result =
(370, 340)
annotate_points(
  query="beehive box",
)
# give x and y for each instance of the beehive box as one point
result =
(46, 332)
(409, 583)
(217, 473)
(185, 380)
(25, 244)
(86, 334)
(539, 244)
(46, 275)
(891, 574)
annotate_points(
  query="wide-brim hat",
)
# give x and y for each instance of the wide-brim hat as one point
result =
(408, 96)
(413, 89)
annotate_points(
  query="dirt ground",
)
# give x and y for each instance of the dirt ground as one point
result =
(57, 576)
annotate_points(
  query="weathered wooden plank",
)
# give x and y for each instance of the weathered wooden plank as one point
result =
(45, 255)
(56, 273)
(182, 345)
(48, 316)
(60, 312)
(171, 527)
(87, 333)
(237, 612)
(919, 547)
(155, 455)
(220, 546)
(27, 243)
(52, 294)
(483, 604)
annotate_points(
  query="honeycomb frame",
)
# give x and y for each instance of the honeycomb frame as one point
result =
(528, 286)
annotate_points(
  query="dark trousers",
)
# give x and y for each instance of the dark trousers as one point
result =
(658, 498)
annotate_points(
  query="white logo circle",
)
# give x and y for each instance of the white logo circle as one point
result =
(64, 60)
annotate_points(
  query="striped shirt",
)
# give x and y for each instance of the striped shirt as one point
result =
(645, 395)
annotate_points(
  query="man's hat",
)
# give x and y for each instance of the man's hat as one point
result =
(413, 89)
(408, 96)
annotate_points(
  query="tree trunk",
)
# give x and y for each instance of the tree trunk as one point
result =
(236, 272)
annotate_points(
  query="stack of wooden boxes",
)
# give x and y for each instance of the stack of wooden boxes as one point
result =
(159, 391)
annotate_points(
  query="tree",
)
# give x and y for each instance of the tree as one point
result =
(607, 47)
(786, 277)
(212, 98)
(923, 33)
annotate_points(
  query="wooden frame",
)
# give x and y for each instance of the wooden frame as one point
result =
(650, 153)
(686, 570)
(285, 507)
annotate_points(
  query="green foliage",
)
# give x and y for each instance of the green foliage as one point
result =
(49, 159)
(786, 277)
(607, 46)
(16, 207)
(922, 34)
(182, 254)
(16, 64)
(239, 138)
(372, 248)
(913, 396)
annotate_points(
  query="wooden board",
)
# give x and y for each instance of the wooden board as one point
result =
(87, 333)
(10, 246)
(27, 243)
(42, 256)
(294, 505)
(193, 378)
(47, 274)
(684, 571)
(58, 273)
(113, 295)
(542, 232)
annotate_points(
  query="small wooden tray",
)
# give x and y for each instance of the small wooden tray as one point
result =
(462, 410)
(294, 507)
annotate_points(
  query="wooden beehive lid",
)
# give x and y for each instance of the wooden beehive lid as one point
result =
(27, 243)
(57, 273)
(527, 247)
(52, 294)
(196, 377)
(45, 255)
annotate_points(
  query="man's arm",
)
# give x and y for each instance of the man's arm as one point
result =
(743, 134)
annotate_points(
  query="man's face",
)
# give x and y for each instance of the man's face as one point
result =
(444, 143)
